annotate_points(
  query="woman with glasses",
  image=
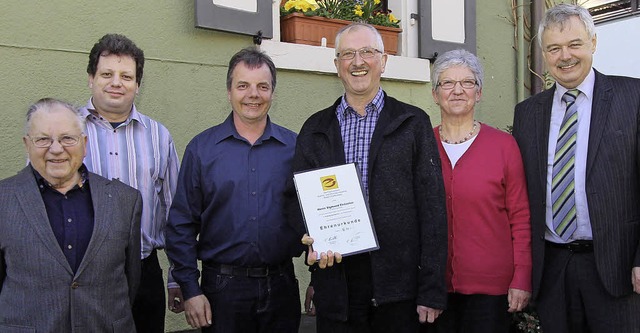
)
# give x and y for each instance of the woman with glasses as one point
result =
(489, 254)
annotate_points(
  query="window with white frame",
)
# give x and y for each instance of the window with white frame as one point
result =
(428, 27)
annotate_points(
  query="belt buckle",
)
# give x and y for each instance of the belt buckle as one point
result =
(258, 272)
(579, 247)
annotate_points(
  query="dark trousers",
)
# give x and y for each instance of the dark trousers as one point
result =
(148, 308)
(472, 314)
(390, 317)
(364, 316)
(573, 299)
(252, 304)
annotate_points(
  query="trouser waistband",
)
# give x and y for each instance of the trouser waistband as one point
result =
(579, 246)
(262, 271)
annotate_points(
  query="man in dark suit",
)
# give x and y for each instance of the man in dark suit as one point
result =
(69, 239)
(580, 142)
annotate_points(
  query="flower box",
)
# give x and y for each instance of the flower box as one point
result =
(300, 29)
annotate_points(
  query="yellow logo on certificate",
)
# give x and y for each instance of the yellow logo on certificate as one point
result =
(329, 182)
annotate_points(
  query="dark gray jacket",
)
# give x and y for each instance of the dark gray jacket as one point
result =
(38, 289)
(406, 199)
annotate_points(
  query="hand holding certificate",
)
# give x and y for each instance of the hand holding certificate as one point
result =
(335, 210)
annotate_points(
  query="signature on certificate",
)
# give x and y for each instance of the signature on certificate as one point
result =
(355, 238)
(331, 240)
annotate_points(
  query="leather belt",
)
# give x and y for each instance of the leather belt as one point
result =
(254, 272)
(579, 246)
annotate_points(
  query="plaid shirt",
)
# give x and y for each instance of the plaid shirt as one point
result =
(357, 130)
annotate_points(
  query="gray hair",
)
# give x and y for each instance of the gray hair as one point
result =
(455, 58)
(357, 26)
(47, 104)
(561, 14)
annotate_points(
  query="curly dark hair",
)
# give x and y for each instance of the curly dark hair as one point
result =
(118, 45)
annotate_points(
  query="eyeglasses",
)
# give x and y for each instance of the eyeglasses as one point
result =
(450, 84)
(365, 53)
(46, 142)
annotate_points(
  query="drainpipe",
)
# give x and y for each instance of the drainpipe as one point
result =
(521, 61)
(537, 11)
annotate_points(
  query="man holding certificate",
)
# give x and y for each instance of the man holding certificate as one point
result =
(400, 281)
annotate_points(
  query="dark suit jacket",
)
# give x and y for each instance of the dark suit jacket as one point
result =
(612, 178)
(38, 289)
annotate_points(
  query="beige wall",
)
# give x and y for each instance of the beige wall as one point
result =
(44, 51)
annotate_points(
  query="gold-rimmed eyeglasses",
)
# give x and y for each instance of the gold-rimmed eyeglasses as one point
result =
(46, 142)
(450, 84)
(365, 53)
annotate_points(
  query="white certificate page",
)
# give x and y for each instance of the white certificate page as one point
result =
(335, 211)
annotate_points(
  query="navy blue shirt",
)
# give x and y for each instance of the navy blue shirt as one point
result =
(70, 216)
(231, 193)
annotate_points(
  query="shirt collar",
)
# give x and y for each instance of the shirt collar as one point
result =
(228, 129)
(376, 104)
(43, 184)
(586, 87)
(90, 110)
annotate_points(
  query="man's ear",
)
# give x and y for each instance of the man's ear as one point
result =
(384, 62)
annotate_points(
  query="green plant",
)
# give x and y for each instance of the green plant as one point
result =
(527, 321)
(368, 11)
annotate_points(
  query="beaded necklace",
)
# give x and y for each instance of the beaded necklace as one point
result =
(465, 139)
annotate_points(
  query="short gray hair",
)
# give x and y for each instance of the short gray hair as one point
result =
(455, 58)
(561, 14)
(357, 26)
(46, 104)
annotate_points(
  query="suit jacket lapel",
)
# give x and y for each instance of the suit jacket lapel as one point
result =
(543, 113)
(33, 208)
(102, 207)
(602, 92)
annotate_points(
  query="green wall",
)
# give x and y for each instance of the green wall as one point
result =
(44, 52)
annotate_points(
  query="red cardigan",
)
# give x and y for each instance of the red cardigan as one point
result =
(488, 216)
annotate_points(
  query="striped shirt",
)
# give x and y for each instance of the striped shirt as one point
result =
(357, 131)
(139, 152)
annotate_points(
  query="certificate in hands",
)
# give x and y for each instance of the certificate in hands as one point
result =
(335, 211)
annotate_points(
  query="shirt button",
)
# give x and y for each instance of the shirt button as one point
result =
(69, 247)
(69, 220)
(253, 169)
(253, 218)
(75, 285)
(253, 193)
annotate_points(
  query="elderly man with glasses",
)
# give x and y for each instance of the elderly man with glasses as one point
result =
(69, 239)
(402, 283)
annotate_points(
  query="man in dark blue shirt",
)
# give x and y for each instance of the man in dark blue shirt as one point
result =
(228, 212)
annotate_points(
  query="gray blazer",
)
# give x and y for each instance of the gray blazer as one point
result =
(612, 180)
(38, 290)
